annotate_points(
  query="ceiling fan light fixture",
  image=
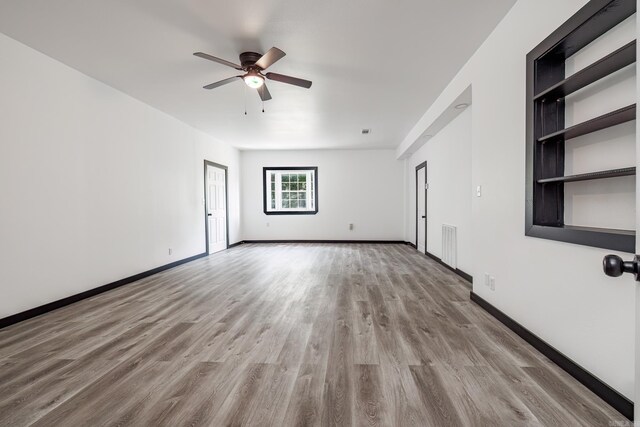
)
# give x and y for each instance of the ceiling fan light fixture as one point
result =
(253, 80)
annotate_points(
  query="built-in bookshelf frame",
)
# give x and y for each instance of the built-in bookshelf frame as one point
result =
(547, 88)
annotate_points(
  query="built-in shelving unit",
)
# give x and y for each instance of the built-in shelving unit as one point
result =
(547, 87)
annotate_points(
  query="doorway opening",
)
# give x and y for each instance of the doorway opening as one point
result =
(421, 207)
(216, 208)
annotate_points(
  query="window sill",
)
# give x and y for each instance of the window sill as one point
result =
(291, 212)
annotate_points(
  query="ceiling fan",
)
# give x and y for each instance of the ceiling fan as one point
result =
(253, 64)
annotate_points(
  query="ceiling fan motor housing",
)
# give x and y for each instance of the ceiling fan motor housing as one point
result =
(249, 59)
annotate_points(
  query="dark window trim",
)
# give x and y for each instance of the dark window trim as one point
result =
(206, 200)
(289, 168)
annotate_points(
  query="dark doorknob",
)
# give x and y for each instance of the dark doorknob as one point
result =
(209, 214)
(614, 266)
(423, 216)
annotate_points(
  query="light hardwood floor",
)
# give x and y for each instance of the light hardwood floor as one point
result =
(296, 334)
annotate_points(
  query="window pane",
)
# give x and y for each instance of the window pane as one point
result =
(290, 191)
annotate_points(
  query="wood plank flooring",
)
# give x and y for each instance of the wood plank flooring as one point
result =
(286, 335)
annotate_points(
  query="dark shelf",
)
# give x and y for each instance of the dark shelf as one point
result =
(573, 39)
(600, 230)
(613, 118)
(606, 238)
(611, 63)
(591, 175)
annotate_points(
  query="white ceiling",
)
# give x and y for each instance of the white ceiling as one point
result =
(375, 64)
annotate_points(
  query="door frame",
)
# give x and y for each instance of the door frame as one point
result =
(420, 166)
(206, 200)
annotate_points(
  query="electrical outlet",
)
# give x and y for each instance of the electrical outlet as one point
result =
(170, 251)
(479, 191)
(492, 283)
(351, 227)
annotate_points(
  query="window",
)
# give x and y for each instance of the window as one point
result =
(290, 190)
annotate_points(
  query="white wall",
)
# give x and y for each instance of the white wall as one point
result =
(362, 187)
(95, 186)
(448, 157)
(557, 290)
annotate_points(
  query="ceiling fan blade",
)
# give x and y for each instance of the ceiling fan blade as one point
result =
(264, 93)
(221, 82)
(271, 57)
(288, 79)
(218, 60)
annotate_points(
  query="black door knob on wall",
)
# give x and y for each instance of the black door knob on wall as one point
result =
(614, 266)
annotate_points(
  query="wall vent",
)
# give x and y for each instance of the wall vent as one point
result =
(450, 245)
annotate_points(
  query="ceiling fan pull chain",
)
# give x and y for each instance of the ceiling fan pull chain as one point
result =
(244, 97)
(263, 106)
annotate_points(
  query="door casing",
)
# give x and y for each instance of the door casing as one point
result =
(206, 201)
(423, 187)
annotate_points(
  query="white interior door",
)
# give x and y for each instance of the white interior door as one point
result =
(422, 210)
(636, 405)
(216, 208)
(615, 266)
